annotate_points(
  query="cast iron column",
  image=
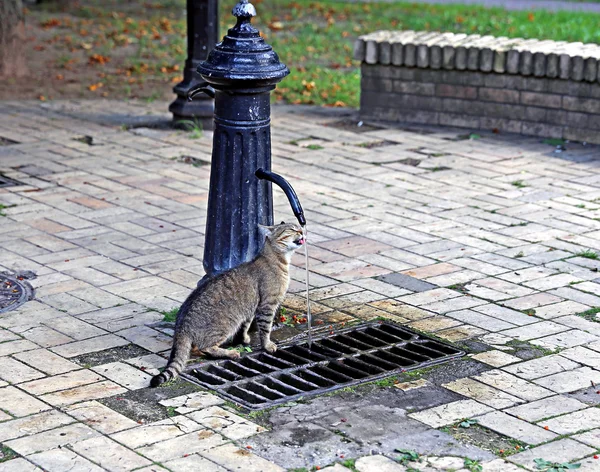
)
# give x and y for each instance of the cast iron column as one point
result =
(202, 35)
(243, 70)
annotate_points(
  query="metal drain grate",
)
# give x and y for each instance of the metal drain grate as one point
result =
(351, 356)
(14, 291)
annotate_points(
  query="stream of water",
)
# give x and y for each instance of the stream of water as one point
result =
(308, 315)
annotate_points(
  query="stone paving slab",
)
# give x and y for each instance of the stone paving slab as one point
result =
(114, 233)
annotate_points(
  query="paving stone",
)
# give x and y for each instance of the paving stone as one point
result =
(86, 392)
(546, 407)
(574, 422)
(16, 372)
(158, 431)
(407, 386)
(583, 355)
(194, 463)
(571, 338)
(450, 413)
(454, 304)
(564, 450)
(46, 361)
(109, 454)
(147, 338)
(400, 309)
(435, 323)
(515, 386)
(536, 330)
(505, 314)
(100, 417)
(225, 422)
(591, 438)
(125, 375)
(18, 465)
(483, 393)
(198, 441)
(194, 401)
(430, 296)
(89, 345)
(12, 347)
(532, 301)
(499, 465)
(556, 310)
(18, 403)
(515, 428)
(61, 382)
(406, 282)
(496, 358)
(149, 364)
(235, 458)
(542, 367)
(46, 337)
(51, 439)
(460, 333)
(570, 381)
(379, 463)
(488, 323)
(63, 459)
(33, 424)
(74, 327)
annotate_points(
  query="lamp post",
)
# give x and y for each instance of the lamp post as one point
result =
(241, 71)
(202, 35)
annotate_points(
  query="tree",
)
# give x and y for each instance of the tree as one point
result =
(12, 39)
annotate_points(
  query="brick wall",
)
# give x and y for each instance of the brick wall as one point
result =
(539, 106)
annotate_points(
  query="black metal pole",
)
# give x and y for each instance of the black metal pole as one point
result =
(202, 36)
(243, 70)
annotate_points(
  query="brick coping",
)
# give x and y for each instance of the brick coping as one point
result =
(450, 51)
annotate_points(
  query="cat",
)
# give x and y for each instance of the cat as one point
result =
(219, 307)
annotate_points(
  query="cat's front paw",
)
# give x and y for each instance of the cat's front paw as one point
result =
(247, 339)
(270, 347)
(234, 355)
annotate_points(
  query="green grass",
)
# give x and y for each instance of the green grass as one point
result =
(588, 254)
(518, 184)
(590, 314)
(6, 453)
(313, 38)
(170, 315)
(472, 465)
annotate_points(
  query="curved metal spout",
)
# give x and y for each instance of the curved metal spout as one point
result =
(289, 191)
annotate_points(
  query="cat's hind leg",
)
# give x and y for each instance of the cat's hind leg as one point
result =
(220, 353)
(264, 322)
(245, 327)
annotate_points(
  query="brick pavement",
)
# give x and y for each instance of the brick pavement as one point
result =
(491, 240)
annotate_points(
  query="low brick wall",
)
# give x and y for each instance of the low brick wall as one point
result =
(541, 88)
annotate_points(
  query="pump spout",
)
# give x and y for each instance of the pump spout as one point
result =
(289, 191)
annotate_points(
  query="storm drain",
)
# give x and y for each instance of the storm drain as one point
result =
(14, 291)
(349, 357)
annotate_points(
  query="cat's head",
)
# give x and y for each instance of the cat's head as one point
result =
(284, 237)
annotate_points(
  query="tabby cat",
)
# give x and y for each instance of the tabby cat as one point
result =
(215, 311)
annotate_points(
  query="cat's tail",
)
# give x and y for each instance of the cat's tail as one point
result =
(179, 356)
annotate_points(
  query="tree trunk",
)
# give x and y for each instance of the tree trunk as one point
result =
(12, 39)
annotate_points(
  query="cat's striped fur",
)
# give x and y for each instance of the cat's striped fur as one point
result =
(216, 310)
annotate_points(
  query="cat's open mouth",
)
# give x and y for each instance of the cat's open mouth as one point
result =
(300, 241)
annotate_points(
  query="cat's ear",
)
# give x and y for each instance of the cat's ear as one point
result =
(266, 231)
(282, 223)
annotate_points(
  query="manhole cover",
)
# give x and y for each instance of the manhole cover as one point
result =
(351, 356)
(14, 291)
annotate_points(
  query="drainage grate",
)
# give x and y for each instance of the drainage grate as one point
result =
(14, 291)
(351, 356)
